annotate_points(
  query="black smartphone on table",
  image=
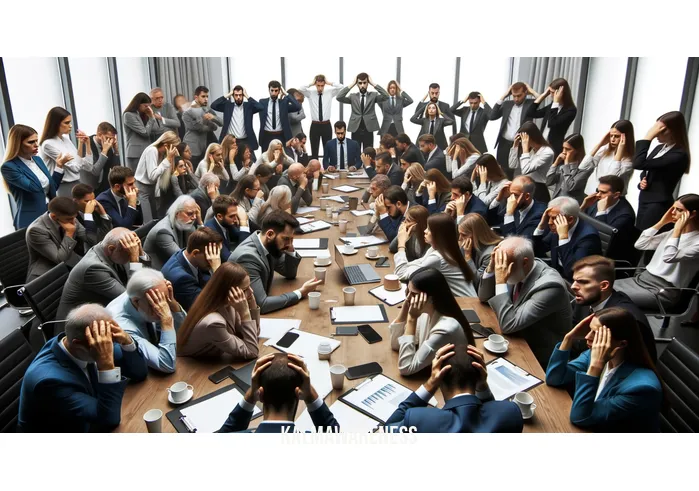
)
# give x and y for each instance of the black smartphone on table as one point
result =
(346, 331)
(221, 375)
(287, 339)
(382, 262)
(369, 334)
(366, 370)
(481, 331)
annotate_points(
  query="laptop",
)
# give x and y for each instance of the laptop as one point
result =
(357, 274)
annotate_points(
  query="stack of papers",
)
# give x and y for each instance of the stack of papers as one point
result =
(361, 174)
(314, 252)
(304, 220)
(314, 226)
(276, 328)
(350, 420)
(331, 176)
(391, 298)
(334, 198)
(359, 213)
(363, 241)
(303, 210)
(208, 416)
(506, 379)
(347, 189)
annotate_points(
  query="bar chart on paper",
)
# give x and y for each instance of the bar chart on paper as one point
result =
(506, 379)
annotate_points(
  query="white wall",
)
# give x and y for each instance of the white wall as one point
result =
(133, 76)
(603, 99)
(92, 92)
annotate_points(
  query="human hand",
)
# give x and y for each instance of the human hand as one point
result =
(260, 194)
(479, 364)
(644, 183)
(504, 193)
(417, 305)
(467, 246)
(172, 153)
(432, 189)
(90, 206)
(160, 304)
(262, 364)
(277, 154)
(243, 216)
(503, 267)
(212, 191)
(131, 196)
(525, 142)
(310, 286)
(380, 205)
(237, 300)
(589, 200)
(605, 139)
(107, 144)
(655, 130)
(99, 341)
(403, 235)
(451, 209)
(601, 351)
(62, 159)
(461, 202)
(561, 226)
(681, 223)
(543, 223)
(438, 371)
(482, 173)
(603, 203)
(512, 204)
(559, 160)
(306, 390)
(119, 335)
(213, 255)
(68, 227)
(131, 244)
(303, 181)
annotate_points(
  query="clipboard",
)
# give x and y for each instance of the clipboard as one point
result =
(380, 306)
(373, 291)
(323, 244)
(345, 189)
(508, 362)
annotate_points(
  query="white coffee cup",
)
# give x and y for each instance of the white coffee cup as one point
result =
(337, 376)
(323, 260)
(178, 391)
(343, 226)
(335, 216)
(525, 402)
(498, 342)
(324, 350)
(372, 251)
(348, 249)
(328, 211)
(325, 186)
(314, 300)
(320, 273)
(349, 293)
(154, 421)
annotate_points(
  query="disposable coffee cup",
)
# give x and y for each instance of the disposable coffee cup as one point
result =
(328, 211)
(391, 283)
(349, 293)
(325, 186)
(525, 402)
(178, 391)
(320, 273)
(324, 350)
(314, 300)
(337, 376)
(497, 341)
(343, 226)
(373, 251)
(154, 420)
(353, 202)
(335, 216)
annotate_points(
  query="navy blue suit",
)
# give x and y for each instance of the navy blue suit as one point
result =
(527, 227)
(462, 414)
(239, 419)
(351, 148)
(231, 238)
(56, 395)
(476, 205)
(286, 105)
(584, 242)
(250, 107)
(185, 285)
(131, 217)
(623, 218)
(390, 226)
(27, 191)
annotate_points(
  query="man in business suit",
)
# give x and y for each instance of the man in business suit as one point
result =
(519, 211)
(102, 274)
(434, 156)
(341, 153)
(231, 221)
(171, 233)
(433, 95)
(296, 179)
(96, 224)
(164, 113)
(609, 206)
(363, 122)
(390, 208)
(568, 238)
(279, 380)
(237, 116)
(199, 120)
(274, 117)
(474, 119)
(190, 269)
(392, 110)
(320, 101)
(55, 237)
(386, 166)
(295, 117)
(407, 150)
(77, 381)
(207, 191)
(469, 406)
(513, 114)
(120, 201)
(296, 149)
(105, 155)
(268, 250)
(462, 201)
(528, 297)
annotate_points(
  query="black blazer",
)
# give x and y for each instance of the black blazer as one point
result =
(583, 242)
(503, 111)
(411, 154)
(250, 107)
(438, 161)
(623, 218)
(131, 219)
(480, 121)
(525, 228)
(662, 174)
(558, 121)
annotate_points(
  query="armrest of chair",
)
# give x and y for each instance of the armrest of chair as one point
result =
(671, 288)
(13, 294)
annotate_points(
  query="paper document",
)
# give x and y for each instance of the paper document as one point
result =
(313, 252)
(331, 176)
(276, 328)
(208, 416)
(347, 189)
(314, 226)
(391, 298)
(359, 314)
(306, 243)
(304, 220)
(350, 420)
(506, 379)
(359, 213)
(303, 210)
(305, 345)
(319, 370)
(363, 241)
(358, 175)
(333, 198)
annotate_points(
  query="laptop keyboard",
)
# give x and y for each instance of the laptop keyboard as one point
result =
(355, 274)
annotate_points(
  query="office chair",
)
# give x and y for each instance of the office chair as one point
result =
(15, 357)
(679, 369)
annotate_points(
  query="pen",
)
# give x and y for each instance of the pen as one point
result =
(190, 427)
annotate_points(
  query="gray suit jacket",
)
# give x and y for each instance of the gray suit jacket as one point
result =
(256, 260)
(163, 241)
(197, 128)
(394, 114)
(297, 194)
(47, 248)
(138, 135)
(568, 180)
(170, 121)
(542, 314)
(370, 100)
(295, 121)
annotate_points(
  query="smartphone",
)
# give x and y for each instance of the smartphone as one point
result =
(471, 315)
(366, 370)
(287, 339)
(221, 375)
(382, 262)
(480, 331)
(369, 334)
(346, 331)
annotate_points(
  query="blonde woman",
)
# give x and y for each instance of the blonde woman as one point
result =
(212, 162)
(274, 157)
(412, 179)
(462, 156)
(432, 122)
(157, 159)
(279, 199)
(477, 241)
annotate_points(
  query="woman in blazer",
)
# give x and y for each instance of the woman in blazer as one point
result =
(181, 181)
(662, 168)
(430, 318)
(433, 121)
(139, 125)
(488, 179)
(392, 110)
(26, 176)
(415, 224)
(531, 155)
(434, 192)
(224, 319)
(565, 174)
(617, 387)
(557, 116)
(250, 196)
(477, 241)
(412, 179)
(613, 155)
(462, 156)
(157, 159)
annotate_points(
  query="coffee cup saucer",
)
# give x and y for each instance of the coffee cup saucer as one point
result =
(349, 253)
(490, 347)
(372, 258)
(190, 393)
(317, 264)
(529, 415)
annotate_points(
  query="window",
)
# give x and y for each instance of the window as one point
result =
(133, 76)
(6, 226)
(91, 91)
(690, 182)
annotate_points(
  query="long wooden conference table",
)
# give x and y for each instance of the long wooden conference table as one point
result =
(553, 405)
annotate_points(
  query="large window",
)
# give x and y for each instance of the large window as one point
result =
(91, 91)
(690, 182)
(6, 226)
(381, 70)
(133, 78)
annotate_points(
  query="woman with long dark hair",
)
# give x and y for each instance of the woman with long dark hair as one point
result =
(224, 319)
(662, 168)
(617, 387)
(444, 255)
(434, 192)
(557, 116)
(264, 174)
(415, 224)
(139, 125)
(531, 155)
(429, 319)
(477, 241)
(565, 174)
(178, 182)
(488, 179)
(613, 155)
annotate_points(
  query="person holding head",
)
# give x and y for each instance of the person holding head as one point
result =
(463, 200)
(139, 128)
(608, 205)
(674, 264)
(101, 275)
(434, 192)
(76, 382)
(459, 372)
(274, 117)
(489, 179)
(565, 236)
(413, 177)
(521, 212)
(271, 249)
(295, 117)
(429, 319)
(565, 174)
(415, 226)
(172, 233)
(96, 224)
(164, 114)
(617, 387)
(363, 122)
(213, 162)
(264, 174)
(314, 174)
(237, 116)
(105, 155)
(158, 158)
(432, 122)
(531, 155)
(299, 185)
(477, 242)
(207, 192)
(182, 180)
(392, 109)
(384, 165)
(320, 100)
(120, 201)
(474, 119)
(55, 237)
(229, 152)
(190, 269)
(407, 150)
(56, 145)
(662, 168)
(181, 104)
(199, 120)
(276, 159)
(279, 200)
(295, 149)
(149, 313)
(249, 195)
(461, 156)
(390, 208)
(528, 297)
(279, 380)
(26, 176)
(244, 160)
(378, 184)
(387, 143)
(557, 116)
(231, 221)
(613, 155)
(434, 156)
(341, 153)
(224, 319)
(432, 97)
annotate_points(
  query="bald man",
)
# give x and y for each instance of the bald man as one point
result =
(296, 178)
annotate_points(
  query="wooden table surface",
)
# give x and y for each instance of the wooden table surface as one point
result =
(553, 405)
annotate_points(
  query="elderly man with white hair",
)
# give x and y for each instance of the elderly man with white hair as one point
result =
(101, 275)
(164, 113)
(148, 311)
(297, 180)
(566, 236)
(171, 233)
(207, 191)
(77, 381)
(528, 296)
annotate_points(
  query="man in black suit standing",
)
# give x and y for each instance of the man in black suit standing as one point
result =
(434, 156)
(274, 117)
(433, 95)
(363, 121)
(474, 118)
(407, 150)
(237, 116)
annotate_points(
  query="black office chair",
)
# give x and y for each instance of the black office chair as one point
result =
(14, 263)
(143, 230)
(679, 368)
(682, 307)
(607, 233)
(15, 357)
(44, 294)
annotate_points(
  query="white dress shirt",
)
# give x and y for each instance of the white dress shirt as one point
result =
(513, 121)
(607, 373)
(149, 170)
(674, 260)
(53, 147)
(103, 376)
(311, 94)
(342, 165)
(268, 122)
(605, 165)
(237, 125)
(43, 180)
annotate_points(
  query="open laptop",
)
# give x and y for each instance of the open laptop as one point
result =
(357, 274)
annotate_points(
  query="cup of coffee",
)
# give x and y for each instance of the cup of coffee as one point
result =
(325, 186)
(328, 211)
(320, 274)
(353, 202)
(335, 216)
(525, 402)
(391, 283)
(349, 293)
(343, 226)
(323, 259)
(179, 391)
(337, 376)
(324, 350)
(372, 251)
(314, 300)
(154, 420)
(348, 249)
(498, 342)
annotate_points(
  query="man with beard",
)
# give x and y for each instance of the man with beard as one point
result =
(363, 122)
(297, 180)
(171, 233)
(268, 250)
(237, 117)
(521, 214)
(199, 120)
(274, 118)
(341, 153)
(164, 113)
(433, 94)
(149, 313)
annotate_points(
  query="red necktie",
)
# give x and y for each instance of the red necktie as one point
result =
(516, 292)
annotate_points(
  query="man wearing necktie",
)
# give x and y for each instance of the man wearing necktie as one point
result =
(474, 112)
(363, 121)
(274, 117)
(320, 101)
(341, 153)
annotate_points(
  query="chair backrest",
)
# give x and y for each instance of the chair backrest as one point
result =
(679, 368)
(607, 233)
(14, 258)
(15, 357)
(143, 230)
(44, 293)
